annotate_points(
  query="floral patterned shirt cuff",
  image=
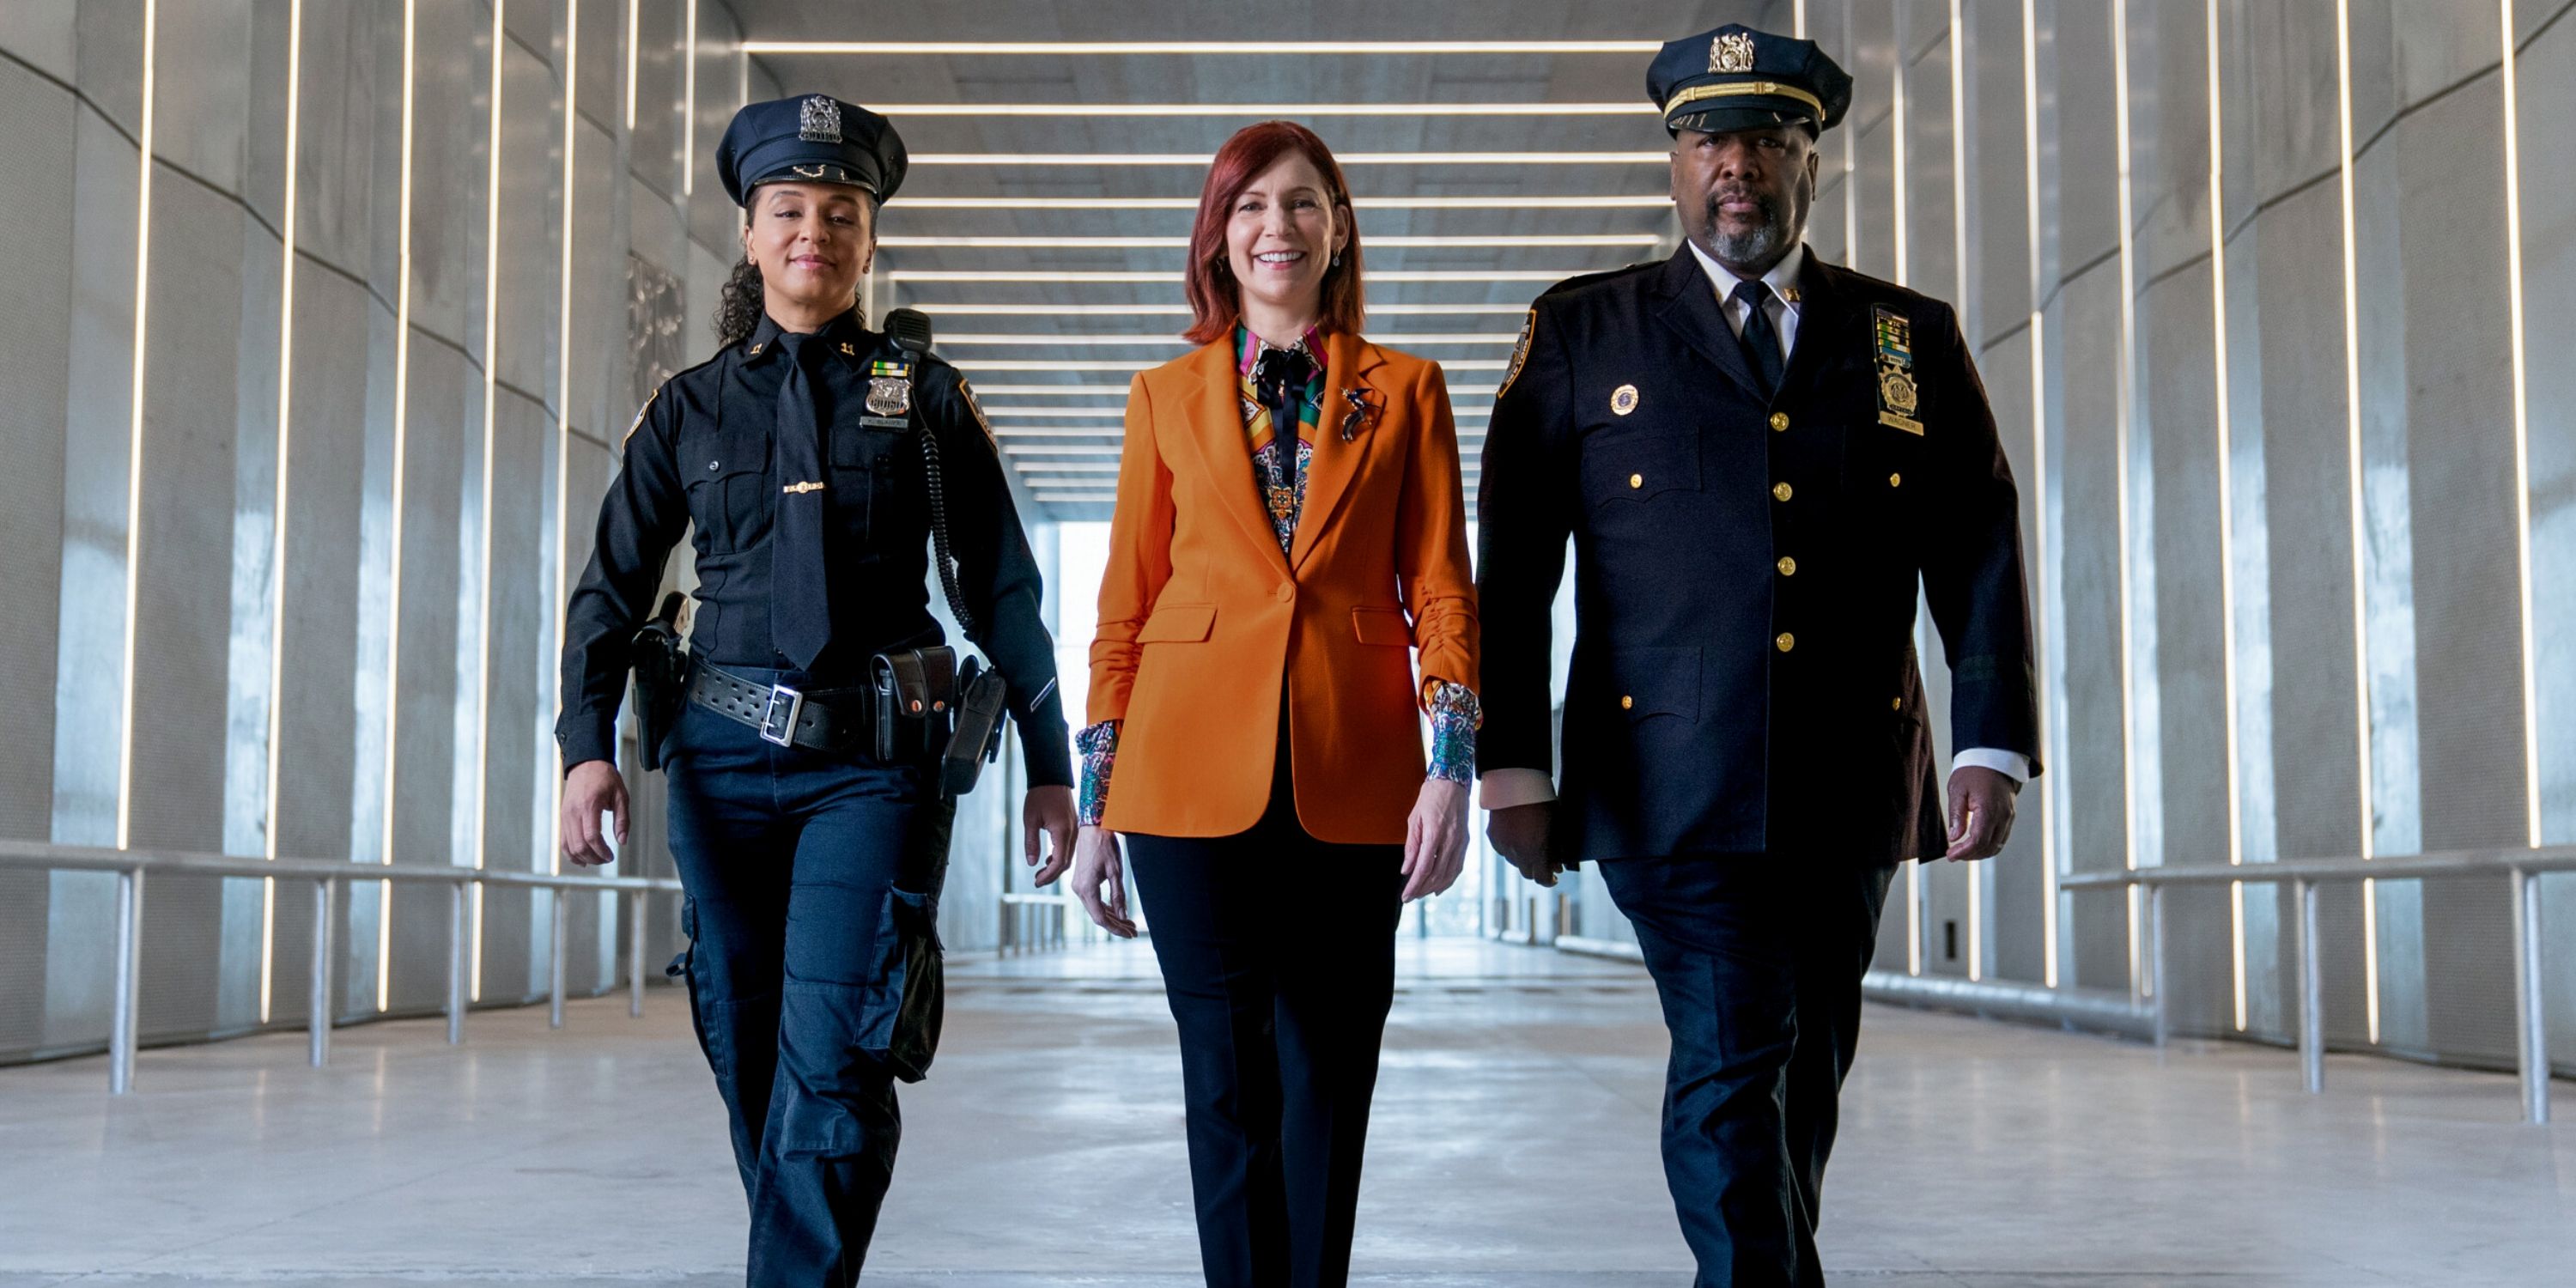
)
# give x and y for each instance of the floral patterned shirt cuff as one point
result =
(1098, 746)
(1455, 714)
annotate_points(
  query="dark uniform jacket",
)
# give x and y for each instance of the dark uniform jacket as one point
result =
(701, 453)
(1744, 674)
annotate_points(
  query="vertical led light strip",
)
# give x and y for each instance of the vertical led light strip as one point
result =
(634, 30)
(491, 390)
(689, 101)
(2039, 470)
(134, 448)
(1977, 874)
(2127, 377)
(563, 386)
(277, 519)
(2226, 518)
(2521, 433)
(1896, 162)
(1798, 19)
(2352, 465)
(402, 429)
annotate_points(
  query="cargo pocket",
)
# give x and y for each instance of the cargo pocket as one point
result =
(906, 999)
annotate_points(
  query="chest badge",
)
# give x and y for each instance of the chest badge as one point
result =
(1897, 396)
(889, 395)
(1623, 400)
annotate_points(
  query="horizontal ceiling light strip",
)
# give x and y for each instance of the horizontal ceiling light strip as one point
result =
(1346, 158)
(1068, 48)
(1158, 277)
(1515, 201)
(1086, 364)
(1183, 310)
(1477, 241)
(902, 111)
(1037, 449)
(1075, 339)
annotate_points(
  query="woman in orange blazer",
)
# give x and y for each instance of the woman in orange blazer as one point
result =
(1289, 534)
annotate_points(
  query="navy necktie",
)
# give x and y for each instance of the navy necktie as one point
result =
(800, 606)
(1761, 339)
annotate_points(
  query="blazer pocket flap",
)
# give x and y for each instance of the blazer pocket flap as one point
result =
(1382, 626)
(1656, 682)
(1178, 624)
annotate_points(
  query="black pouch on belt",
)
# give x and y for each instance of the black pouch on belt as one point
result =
(916, 692)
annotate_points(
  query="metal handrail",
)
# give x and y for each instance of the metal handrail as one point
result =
(326, 874)
(2522, 867)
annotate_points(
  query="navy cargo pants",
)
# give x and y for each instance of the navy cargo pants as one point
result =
(813, 886)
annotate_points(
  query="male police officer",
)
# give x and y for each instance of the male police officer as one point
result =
(1757, 455)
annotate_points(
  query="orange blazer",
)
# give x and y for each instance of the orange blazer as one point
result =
(1203, 619)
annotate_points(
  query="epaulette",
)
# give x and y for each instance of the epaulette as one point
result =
(1586, 279)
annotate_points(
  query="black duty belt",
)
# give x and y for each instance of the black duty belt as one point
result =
(831, 720)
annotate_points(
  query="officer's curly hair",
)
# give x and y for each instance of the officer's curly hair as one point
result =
(739, 305)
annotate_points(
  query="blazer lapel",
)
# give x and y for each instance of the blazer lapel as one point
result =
(1215, 418)
(1348, 360)
(1822, 314)
(1689, 307)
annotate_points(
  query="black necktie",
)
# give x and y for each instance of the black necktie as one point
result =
(1761, 339)
(800, 606)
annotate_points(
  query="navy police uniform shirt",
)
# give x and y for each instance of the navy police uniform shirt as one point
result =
(700, 453)
(1744, 675)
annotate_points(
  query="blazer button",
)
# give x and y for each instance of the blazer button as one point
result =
(1636, 480)
(1780, 491)
(1779, 421)
(1786, 641)
(1627, 702)
(1788, 566)
(1896, 480)
(1287, 591)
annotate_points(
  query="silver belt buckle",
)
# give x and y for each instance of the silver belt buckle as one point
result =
(778, 720)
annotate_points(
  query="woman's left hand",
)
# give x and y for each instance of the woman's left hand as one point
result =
(1435, 838)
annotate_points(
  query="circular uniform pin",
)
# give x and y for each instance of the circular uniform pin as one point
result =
(1623, 399)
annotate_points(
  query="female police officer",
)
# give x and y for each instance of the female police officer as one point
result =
(810, 454)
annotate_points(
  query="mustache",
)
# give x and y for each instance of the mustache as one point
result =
(1769, 205)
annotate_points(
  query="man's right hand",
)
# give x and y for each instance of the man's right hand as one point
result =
(1519, 834)
(591, 789)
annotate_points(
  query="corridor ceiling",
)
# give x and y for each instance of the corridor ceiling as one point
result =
(1057, 148)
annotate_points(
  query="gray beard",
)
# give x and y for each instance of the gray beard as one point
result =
(1758, 246)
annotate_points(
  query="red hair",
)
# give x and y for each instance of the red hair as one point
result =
(1215, 298)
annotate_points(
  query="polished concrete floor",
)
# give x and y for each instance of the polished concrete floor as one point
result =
(1513, 1146)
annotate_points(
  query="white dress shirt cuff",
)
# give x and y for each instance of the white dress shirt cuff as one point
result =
(2010, 764)
(1504, 788)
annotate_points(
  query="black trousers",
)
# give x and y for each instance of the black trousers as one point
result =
(1278, 956)
(805, 873)
(1758, 961)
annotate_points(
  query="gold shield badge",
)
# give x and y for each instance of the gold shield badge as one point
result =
(1897, 396)
(1731, 52)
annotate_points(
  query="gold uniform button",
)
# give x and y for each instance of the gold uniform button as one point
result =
(1780, 491)
(1636, 480)
(1786, 641)
(1896, 704)
(1628, 702)
(1779, 421)
(1896, 480)
(1788, 566)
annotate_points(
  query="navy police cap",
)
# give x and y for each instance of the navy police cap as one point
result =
(810, 139)
(1736, 78)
